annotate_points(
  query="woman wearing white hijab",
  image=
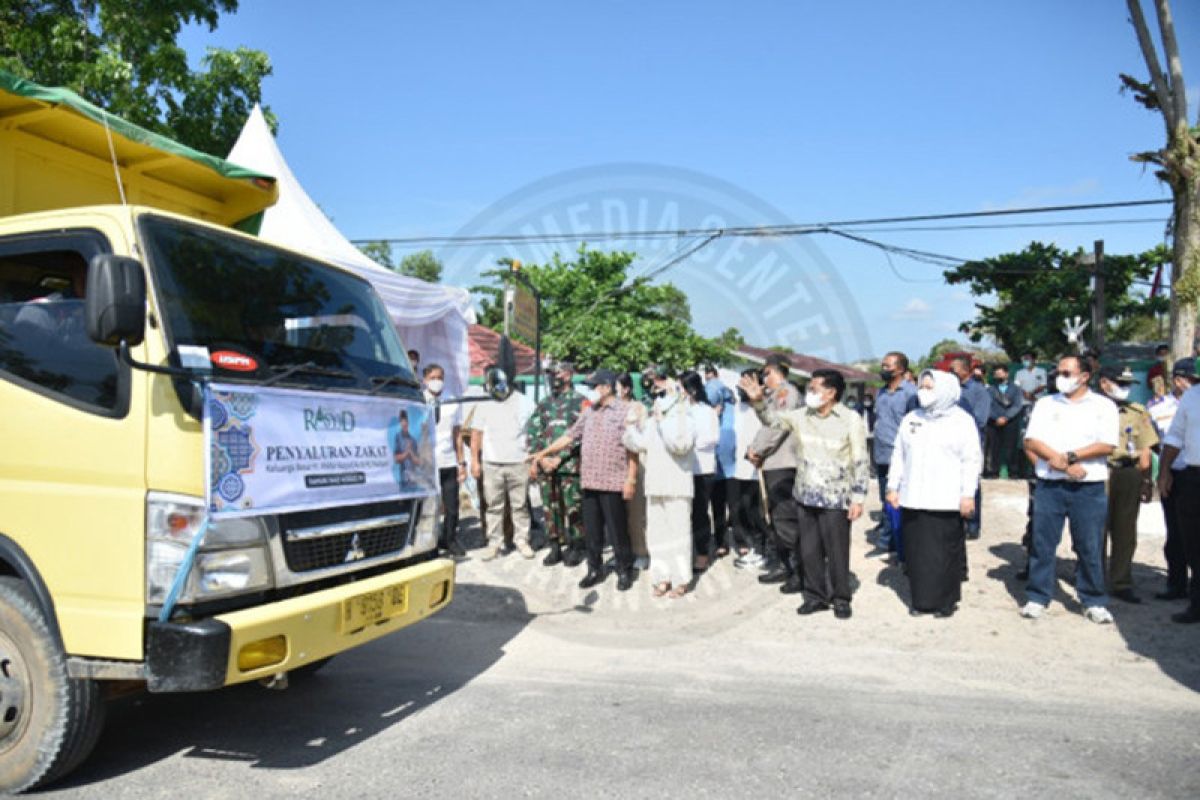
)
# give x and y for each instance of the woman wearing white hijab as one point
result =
(933, 477)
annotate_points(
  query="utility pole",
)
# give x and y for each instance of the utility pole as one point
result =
(1098, 311)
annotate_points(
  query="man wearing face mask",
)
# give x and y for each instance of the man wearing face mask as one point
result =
(832, 478)
(1179, 490)
(448, 455)
(1007, 407)
(1033, 382)
(1071, 433)
(774, 452)
(976, 402)
(608, 476)
(558, 476)
(897, 397)
(1129, 482)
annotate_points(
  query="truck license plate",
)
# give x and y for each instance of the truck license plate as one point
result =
(366, 609)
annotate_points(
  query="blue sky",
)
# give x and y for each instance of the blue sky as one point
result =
(411, 119)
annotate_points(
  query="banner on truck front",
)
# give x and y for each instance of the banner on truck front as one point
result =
(280, 450)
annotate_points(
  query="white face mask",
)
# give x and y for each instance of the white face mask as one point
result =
(926, 397)
(435, 386)
(813, 400)
(1028, 363)
(592, 395)
(1066, 385)
(1119, 393)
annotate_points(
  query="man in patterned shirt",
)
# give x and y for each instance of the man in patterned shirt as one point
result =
(831, 484)
(609, 478)
(558, 476)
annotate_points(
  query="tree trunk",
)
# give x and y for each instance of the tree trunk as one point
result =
(1185, 271)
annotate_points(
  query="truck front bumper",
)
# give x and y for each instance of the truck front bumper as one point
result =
(266, 640)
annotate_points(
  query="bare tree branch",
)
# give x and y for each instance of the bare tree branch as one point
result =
(1174, 63)
(1157, 78)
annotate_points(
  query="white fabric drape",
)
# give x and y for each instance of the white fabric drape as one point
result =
(431, 318)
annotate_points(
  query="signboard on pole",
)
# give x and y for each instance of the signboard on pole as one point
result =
(524, 312)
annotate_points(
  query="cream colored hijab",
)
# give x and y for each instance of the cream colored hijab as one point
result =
(946, 391)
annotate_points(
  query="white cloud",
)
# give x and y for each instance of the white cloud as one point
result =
(1047, 195)
(915, 308)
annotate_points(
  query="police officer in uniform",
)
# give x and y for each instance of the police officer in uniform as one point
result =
(1129, 479)
(558, 476)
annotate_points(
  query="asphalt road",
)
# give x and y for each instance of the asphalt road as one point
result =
(492, 699)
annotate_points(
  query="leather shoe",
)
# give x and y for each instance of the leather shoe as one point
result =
(841, 609)
(777, 575)
(625, 580)
(973, 534)
(811, 607)
(591, 579)
(1188, 617)
(1127, 596)
(945, 613)
(1172, 594)
(554, 557)
(455, 549)
(791, 585)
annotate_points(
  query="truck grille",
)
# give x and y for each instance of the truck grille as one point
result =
(314, 540)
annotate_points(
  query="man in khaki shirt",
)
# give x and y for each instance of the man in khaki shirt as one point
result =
(1129, 481)
(832, 478)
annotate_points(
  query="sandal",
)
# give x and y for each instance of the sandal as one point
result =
(661, 589)
(722, 552)
(678, 592)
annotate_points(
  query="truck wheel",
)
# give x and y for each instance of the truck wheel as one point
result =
(48, 721)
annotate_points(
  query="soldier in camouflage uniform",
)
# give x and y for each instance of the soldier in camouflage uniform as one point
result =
(558, 476)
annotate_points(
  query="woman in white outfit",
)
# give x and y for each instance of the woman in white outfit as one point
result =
(665, 439)
(704, 464)
(933, 477)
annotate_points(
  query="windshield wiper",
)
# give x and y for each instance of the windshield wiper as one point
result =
(381, 381)
(308, 367)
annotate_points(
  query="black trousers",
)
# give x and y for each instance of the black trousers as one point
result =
(825, 553)
(601, 510)
(1177, 568)
(1002, 446)
(702, 528)
(785, 522)
(1185, 489)
(718, 503)
(449, 480)
(745, 506)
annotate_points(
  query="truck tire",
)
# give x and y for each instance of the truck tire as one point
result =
(49, 722)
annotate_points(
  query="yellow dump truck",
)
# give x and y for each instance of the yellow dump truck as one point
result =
(214, 455)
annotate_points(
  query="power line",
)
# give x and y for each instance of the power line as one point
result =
(787, 229)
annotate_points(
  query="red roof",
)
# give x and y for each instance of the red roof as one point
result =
(804, 365)
(483, 343)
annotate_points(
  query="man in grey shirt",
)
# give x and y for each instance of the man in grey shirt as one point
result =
(897, 397)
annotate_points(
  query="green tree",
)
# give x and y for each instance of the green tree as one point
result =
(122, 55)
(379, 252)
(593, 314)
(1032, 293)
(422, 264)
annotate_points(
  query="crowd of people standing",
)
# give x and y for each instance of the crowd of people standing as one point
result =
(775, 475)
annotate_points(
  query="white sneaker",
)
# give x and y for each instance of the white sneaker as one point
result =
(751, 559)
(524, 549)
(489, 553)
(1032, 610)
(1099, 615)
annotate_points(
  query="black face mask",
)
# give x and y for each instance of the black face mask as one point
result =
(886, 375)
(742, 396)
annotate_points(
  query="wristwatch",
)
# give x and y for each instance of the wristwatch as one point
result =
(1072, 458)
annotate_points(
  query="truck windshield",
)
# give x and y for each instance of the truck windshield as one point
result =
(298, 319)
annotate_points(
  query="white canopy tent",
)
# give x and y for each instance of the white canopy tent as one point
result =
(431, 318)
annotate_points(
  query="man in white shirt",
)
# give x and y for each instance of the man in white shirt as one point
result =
(1179, 479)
(1071, 433)
(498, 461)
(448, 456)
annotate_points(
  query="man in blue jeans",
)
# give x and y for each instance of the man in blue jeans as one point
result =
(897, 397)
(1071, 433)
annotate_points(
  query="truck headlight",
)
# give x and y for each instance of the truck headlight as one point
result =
(232, 558)
(425, 533)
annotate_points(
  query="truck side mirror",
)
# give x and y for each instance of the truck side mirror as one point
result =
(115, 306)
